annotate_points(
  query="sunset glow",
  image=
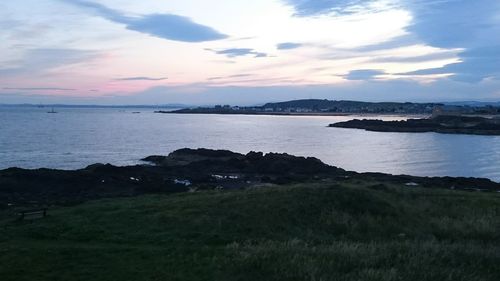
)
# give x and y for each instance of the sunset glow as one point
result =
(75, 51)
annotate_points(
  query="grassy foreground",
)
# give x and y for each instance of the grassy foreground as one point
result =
(316, 231)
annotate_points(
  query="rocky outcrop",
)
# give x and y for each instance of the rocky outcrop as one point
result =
(193, 169)
(439, 124)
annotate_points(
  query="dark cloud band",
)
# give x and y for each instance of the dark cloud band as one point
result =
(239, 52)
(166, 26)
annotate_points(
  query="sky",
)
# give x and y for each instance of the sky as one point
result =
(202, 52)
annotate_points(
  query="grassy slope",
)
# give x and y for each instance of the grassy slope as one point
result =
(306, 232)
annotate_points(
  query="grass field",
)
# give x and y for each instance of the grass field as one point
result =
(317, 231)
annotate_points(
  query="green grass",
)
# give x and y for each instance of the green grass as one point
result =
(304, 232)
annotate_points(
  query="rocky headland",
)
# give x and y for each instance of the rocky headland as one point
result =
(189, 170)
(439, 124)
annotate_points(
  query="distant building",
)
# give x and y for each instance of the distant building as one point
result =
(303, 110)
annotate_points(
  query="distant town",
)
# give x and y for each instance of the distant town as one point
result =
(332, 107)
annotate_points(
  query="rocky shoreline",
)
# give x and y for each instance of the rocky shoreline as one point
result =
(189, 170)
(439, 124)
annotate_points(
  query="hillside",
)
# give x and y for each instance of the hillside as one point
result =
(318, 231)
(315, 107)
(354, 106)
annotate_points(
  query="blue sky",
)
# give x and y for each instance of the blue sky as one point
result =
(248, 52)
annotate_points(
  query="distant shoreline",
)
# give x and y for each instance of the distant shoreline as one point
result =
(299, 114)
(317, 107)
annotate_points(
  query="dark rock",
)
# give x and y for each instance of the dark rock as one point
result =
(439, 124)
(204, 169)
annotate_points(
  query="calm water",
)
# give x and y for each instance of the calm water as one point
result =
(74, 138)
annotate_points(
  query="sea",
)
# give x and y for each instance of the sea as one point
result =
(73, 138)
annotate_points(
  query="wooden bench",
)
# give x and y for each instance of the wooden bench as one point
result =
(32, 214)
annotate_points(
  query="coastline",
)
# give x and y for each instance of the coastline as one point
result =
(189, 170)
(423, 115)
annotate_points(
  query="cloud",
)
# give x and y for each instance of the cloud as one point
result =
(40, 60)
(363, 74)
(450, 24)
(141, 78)
(288, 46)
(472, 25)
(175, 28)
(399, 90)
(165, 26)
(230, 76)
(203, 94)
(397, 42)
(315, 7)
(416, 59)
(453, 23)
(39, 89)
(478, 64)
(239, 52)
